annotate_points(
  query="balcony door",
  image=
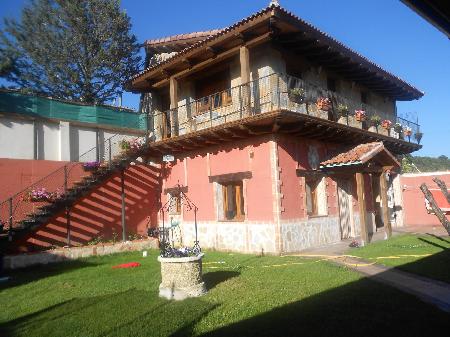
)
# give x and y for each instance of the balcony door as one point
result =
(212, 91)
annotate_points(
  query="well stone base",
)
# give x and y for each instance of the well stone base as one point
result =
(181, 277)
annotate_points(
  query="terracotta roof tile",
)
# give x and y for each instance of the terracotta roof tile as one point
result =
(181, 37)
(272, 6)
(356, 155)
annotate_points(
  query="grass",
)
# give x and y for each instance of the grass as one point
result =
(248, 296)
(426, 255)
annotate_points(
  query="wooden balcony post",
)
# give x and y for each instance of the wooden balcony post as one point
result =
(384, 206)
(173, 104)
(362, 207)
(244, 57)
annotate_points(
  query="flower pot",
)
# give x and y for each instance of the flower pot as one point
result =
(181, 277)
(296, 99)
(319, 113)
(324, 106)
(343, 120)
(383, 131)
(354, 123)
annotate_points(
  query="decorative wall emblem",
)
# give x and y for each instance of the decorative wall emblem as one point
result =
(313, 157)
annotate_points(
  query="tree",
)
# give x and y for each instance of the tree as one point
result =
(81, 50)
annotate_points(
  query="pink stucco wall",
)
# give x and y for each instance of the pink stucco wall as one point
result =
(18, 174)
(293, 155)
(415, 213)
(195, 169)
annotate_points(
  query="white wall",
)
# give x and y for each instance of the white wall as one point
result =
(46, 140)
(16, 138)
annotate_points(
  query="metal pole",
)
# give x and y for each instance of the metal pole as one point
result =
(278, 91)
(163, 243)
(10, 219)
(195, 223)
(240, 100)
(210, 110)
(97, 145)
(109, 152)
(122, 183)
(68, 224)
(65, 179)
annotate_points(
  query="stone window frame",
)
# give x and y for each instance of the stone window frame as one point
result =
(322, 198)
(218, 182)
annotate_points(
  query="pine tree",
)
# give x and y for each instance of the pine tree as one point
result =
(81, 50)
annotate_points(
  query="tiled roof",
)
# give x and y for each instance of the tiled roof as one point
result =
(182, 37)
(358, 57)
(356, 155)
(202, 42)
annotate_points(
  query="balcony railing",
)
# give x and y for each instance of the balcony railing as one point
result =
(276, 92)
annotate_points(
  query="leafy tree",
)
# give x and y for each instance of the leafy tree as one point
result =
(425, 164)
(81, 50)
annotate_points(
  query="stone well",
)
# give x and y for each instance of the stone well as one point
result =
(181, 277)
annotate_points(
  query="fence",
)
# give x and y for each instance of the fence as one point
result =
(277, 91)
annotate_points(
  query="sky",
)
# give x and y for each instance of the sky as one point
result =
(385, 31)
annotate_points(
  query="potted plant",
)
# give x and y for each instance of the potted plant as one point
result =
(360, 115)
(398, 129)
(130, 145)
(418, 136)
(37, 195)
(297, 95)
(386, 124)
(91, 166)
(323, 104)
(343, 112)
(407, 131)
(375, 122)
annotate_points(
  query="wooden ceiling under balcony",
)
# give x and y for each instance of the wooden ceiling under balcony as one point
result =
(277, 122)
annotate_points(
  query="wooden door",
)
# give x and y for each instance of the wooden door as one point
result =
(345, 208)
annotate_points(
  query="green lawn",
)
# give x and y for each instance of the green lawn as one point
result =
(425, 255)
(248, 296)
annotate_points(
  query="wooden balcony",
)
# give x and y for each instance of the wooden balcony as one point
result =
(278, 104)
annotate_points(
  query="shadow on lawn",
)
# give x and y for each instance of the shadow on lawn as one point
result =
(361, 308)
(130, 313)
(29, 274)
(213, 278)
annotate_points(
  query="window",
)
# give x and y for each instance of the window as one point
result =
(315, 196)
(174, 204)
(213, 91)
(331, 84)
(232, 201)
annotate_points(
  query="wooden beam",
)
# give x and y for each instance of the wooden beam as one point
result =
(384, 206)
(362, 207)
(221, 56)
(173, 104)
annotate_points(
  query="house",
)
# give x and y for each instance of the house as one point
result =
(281, 135)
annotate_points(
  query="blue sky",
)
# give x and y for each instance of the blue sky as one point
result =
(385, 31)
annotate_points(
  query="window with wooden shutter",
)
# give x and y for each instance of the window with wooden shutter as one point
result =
(233, 201)
(311, 186)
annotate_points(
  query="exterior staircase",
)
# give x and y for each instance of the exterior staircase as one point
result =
(19, 215)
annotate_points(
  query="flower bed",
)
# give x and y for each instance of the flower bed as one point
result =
(91, 166)
(42, 195)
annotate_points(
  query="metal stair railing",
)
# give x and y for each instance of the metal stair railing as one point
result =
(41, 200)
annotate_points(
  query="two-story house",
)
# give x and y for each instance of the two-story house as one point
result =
(284, 137)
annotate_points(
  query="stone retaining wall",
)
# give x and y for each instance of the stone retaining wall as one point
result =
(73, 253)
